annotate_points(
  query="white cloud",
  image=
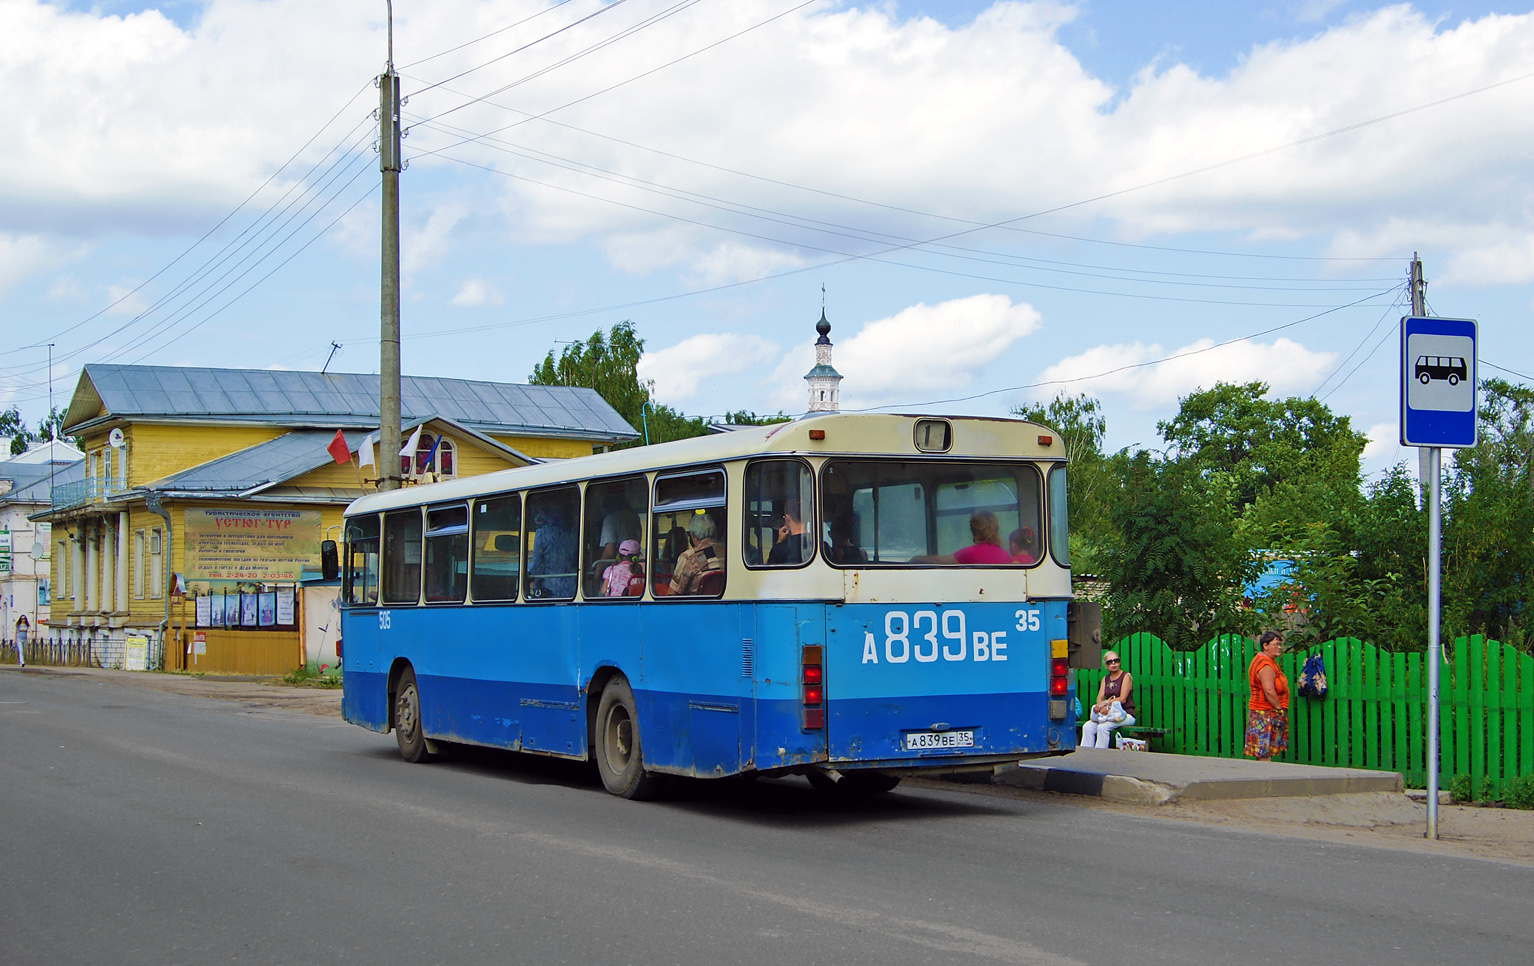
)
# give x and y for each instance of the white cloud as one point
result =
(678, 370)
(920, 352)
(132, 120)
(1131, 370)
(122, 300)
(23, 257)
(1384, 443)
(476, 292)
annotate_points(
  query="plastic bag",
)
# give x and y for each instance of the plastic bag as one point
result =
(1313, 677)
(1115, 715)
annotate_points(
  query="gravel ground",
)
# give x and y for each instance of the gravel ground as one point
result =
(1377, 819)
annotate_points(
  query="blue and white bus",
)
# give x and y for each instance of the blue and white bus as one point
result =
(851, 597)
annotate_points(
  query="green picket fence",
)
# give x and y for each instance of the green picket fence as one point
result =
(1374, 714)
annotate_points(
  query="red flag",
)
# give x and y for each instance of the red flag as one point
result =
(338, 448)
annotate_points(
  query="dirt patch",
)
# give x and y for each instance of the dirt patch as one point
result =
(1380, 819)
(249, 691)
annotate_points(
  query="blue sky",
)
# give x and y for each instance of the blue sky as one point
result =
(1001, 200)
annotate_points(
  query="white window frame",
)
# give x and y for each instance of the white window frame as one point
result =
(156, 564)
(140, 575)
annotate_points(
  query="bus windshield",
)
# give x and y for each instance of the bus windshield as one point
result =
(891, 513)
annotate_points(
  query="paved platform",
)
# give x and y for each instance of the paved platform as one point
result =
(1148, 778)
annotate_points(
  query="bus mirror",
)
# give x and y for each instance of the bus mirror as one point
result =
(1084, 633)
(330, 561)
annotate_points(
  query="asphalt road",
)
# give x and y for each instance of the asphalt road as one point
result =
(140, 827)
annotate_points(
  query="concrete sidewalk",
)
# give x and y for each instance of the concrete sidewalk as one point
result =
(1148, 778)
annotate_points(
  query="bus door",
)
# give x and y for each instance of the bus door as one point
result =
(921, 681)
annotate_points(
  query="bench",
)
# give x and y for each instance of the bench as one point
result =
(1138, 729)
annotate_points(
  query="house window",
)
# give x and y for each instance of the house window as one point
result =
(156, 571)
(433, 454)
(61, 581)
(138, 565)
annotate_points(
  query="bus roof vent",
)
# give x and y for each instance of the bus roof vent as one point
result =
(934, 435)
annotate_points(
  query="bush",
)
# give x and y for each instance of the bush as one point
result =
(1520, 792)
(1460, 788)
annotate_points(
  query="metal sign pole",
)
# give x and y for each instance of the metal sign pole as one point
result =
(1434, 645)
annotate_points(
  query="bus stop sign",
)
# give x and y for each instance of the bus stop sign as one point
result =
(1438, 387)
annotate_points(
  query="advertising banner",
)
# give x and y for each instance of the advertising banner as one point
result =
(251, 544)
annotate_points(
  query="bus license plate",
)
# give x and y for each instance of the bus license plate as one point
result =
(923, 740)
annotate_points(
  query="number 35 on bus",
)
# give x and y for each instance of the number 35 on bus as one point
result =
(850, 597)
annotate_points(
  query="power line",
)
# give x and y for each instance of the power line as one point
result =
(636, 77)
(494, 33)
(1357, 349)
(1125, 368)
(237, 208)
(860, 234)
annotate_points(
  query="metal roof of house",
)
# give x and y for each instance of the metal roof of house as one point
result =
(32, 482)
(276, 461)
(335, 399)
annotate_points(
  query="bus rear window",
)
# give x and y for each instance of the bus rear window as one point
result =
(932, 512)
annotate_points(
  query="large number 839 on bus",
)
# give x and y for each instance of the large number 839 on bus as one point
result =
(850, 597)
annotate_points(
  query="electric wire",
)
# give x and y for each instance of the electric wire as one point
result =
(1383, 339)
(249, 234)
(494, 33)
(868, 235)
(1357, 349)
(636, 77)
(1124, 368)
(236, 210)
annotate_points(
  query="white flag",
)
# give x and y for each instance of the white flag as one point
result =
(365, 450)
(411, 444)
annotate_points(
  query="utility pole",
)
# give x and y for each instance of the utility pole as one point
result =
(1434, 553)
(388, 339)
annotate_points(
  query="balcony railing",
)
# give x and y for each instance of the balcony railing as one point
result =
(92, 490)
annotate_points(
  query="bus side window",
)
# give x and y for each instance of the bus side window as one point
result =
(614, 537)
(496, 548)
(778, 525)
(447, 554)
(688, 524)
(402, 557)
(361, 573)
(553, 516)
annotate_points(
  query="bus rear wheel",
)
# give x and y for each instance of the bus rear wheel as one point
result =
(620, 759)
(853, 784)
(407, 720)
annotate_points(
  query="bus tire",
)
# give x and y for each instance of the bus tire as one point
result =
(853, 784)
(413, 746)
(620, 759)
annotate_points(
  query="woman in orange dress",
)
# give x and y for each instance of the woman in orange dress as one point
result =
(1267, 717)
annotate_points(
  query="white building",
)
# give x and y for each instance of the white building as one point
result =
(823, 380)
(26, 482)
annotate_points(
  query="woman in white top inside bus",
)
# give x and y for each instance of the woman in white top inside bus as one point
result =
(1117, 685)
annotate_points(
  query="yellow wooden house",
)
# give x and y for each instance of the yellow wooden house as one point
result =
(194, 540)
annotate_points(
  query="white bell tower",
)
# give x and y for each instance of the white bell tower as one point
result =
(823, 380)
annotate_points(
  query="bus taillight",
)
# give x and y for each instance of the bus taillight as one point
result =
(812, 688)
(338, 649)
(1059, 671)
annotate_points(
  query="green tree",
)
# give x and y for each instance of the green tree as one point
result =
(608, 363)
(1177, 568)
(1259, 443)
(1091, 483)
(12, 425)
(1488, 532)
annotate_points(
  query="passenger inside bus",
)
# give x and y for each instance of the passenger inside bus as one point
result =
(626, 577)
(551, 562)
(621, 520)
(841, 548)
(791, 543)
(704, 558)
(1023, 546)
(986, 531)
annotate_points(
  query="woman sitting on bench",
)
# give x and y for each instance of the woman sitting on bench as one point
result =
(1117, 685)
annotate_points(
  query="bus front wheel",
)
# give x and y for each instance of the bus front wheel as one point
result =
(407, 720)
(620, 759)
